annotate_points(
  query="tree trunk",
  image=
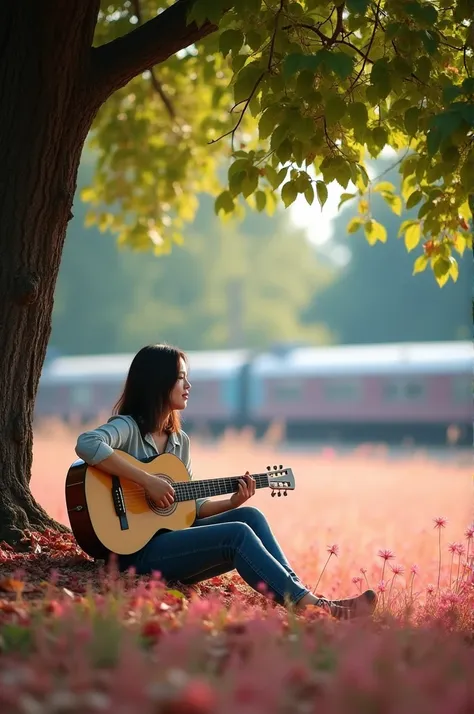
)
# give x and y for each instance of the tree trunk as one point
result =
(45, 114)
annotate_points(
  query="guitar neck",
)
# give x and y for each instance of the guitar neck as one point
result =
(190, 490)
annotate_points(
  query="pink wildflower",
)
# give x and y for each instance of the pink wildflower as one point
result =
(440, 522)
(363, 571)
(382, 586)
(449, 599)
(469, 534)
(460, 549)
(414, 570)
(386, 554)
(356, 580)
(430, 589)
(453, 548)
(333, 549)
(197, 697)
(397, 569)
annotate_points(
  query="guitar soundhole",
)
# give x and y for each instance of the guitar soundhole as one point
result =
(162, 511)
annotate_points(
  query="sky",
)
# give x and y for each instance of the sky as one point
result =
(319, 222)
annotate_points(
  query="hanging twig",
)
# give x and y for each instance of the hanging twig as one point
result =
(157, 86)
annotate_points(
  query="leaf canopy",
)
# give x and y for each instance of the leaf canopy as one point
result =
(287, 97)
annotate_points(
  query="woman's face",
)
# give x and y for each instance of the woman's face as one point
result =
(180, 392)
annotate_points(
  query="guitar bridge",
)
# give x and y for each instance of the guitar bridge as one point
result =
(119, 503)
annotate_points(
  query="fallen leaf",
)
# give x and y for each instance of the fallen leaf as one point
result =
(10, 585)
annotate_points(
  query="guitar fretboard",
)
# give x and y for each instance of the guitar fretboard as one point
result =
(190, 490)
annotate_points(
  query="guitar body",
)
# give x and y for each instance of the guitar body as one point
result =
(91, 497)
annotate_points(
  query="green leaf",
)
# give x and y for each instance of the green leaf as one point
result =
(375, 231)
(423, 13)
(341, 170)
(297, 62)
(260, 201)
(411, 118)
(303, 128)
(384, 186)
(451, 92)
(380, 78)
(341, 64)
(468, 85)
(284, 151)
(238, 166)
(354, 225)
(289, 193)
(250, 182)
(309, 194)
(253, 39)
(322, 192)
(414, 198)
(454, 270)
(236, 181)
(231, 40)
(278, 136)
(412, 236)
(420, 264)
(246, 81)
(357, 7)
(441, 268)
(224, 202)
(335, 109)
(379, 137)
(395, 202)
(272, 176)
(359, 117)
(268, 121)
(293, 63)
(344, 198)
(430, 40)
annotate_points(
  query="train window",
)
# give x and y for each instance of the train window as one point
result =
(404, 390)
(81, 396)
(341, 390)
(287, 391)
(463, 389)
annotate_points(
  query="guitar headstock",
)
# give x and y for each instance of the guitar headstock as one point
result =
(280, 480)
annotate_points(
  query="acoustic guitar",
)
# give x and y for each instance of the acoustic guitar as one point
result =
(112, 514)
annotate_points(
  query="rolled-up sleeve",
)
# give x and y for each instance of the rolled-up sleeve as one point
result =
(96, 445)
(187, 461)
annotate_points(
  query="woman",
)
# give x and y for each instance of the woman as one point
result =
(224, 536)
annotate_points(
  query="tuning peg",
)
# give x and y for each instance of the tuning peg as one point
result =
(281, 467)
(285, 493)
(273, 493)
(274, 468)
(279, 493)
(269, 468)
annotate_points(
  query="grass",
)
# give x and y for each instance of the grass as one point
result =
(74, 638)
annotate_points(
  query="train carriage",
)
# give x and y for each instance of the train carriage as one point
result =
(387, 392)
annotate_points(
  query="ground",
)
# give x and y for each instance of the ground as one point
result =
(75, 638)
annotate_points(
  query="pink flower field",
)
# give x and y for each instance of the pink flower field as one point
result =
(76, 639)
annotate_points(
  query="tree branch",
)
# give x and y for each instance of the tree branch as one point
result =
(116, 63)
(157, 86)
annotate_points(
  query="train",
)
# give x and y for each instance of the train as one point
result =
(385, 392)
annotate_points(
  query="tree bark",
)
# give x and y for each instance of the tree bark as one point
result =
(45, 114)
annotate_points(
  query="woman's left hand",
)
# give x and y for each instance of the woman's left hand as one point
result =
(246, 491)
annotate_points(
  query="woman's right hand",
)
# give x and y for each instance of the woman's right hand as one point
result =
(160, 490)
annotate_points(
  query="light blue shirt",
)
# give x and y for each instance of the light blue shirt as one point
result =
(122, 432)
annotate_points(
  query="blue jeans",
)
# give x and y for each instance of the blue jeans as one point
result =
(240, 539)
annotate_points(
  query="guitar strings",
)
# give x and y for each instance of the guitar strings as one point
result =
(134, 495)
(199, 484)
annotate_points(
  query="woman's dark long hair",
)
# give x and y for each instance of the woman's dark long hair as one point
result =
(152, 375)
